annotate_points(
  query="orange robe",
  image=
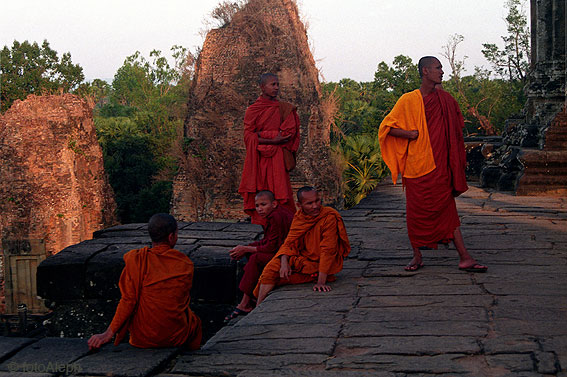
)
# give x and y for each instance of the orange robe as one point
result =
(414, 158)
(264, 167)
(154, 306)
(313, 244)
(431, 212)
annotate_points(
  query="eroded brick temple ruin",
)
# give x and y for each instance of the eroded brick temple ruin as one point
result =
(533, 157)
(264, 36)
(52, 184)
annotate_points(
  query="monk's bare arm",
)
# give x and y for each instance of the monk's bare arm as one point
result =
(285, 269)
(239, 251)
(403, 134)
(97, 340)
(328, 245)
(279, 139)
(321, 285)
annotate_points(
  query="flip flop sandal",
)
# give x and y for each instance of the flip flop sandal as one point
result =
(474, 268)
(235, 313)
(413, 267)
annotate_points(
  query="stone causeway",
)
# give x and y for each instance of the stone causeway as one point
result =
(379, 320)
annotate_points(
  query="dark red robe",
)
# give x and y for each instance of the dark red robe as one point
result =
(275, 232)
(264, 167)
(431, 211)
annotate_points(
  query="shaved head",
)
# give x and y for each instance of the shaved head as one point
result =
(426, 62)
(267, 194)
(160, 226)
(265, 77)
(303, 190)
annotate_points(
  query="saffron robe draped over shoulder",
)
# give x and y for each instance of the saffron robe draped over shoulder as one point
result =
(414, 158)
(154, 306)
(264, 167)
(314, 244)
(431, 211)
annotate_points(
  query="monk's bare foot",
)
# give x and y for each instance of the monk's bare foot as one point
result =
(414, 265)
(472, 266)
(246, 308)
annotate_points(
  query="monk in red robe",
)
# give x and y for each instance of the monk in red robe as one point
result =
(260, 252)
(313, 251)
(271, 135)
(422, 139)
(155, 284)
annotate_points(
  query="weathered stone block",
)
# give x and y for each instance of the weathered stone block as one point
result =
(9, 346)
(62, 276)
(125, 361)
(46, 353)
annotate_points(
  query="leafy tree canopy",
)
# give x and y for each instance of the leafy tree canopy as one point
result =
(28, 68)
(137, 121)
(512, 61)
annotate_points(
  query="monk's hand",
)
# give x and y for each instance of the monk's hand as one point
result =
(237, 252)
(280, 139)
(97, 340)
(285, 270)
(321, 287)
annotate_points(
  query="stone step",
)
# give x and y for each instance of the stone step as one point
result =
(556, 145)
(538, 179)
(545, 173)
(556, 135)
(534, 156)
(541, 190)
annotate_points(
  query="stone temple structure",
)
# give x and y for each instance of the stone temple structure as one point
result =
(53, 189)
(533, 159)
(263, 36)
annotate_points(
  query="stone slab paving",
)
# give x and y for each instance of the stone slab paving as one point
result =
(380, 320)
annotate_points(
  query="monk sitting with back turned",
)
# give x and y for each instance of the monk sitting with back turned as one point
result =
(314, 249)
(260, 252)
(155, 285)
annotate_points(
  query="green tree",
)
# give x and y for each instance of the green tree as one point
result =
(512, 62)
(98, 90)
(485, 102)
(28, 68)
(137, 125)
(402, 77)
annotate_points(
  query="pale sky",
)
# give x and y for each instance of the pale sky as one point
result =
(348, 37)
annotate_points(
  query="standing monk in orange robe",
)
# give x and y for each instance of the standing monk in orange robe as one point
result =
(422, 139)
(314, 248)
(270, 127)
(155, 285)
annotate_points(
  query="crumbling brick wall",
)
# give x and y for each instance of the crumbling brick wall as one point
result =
(52, 181)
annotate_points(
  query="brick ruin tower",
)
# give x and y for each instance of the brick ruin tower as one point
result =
(53, 188)
(263, 36)
(533, 157)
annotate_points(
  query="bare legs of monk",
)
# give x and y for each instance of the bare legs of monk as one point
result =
(263, 292)
(466, 262)
(246, 304)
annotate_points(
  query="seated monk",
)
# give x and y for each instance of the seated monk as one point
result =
(313, 251)
(155, 285)
(259, 253)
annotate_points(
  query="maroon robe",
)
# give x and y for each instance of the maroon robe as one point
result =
(275, 231)
(431, 212)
